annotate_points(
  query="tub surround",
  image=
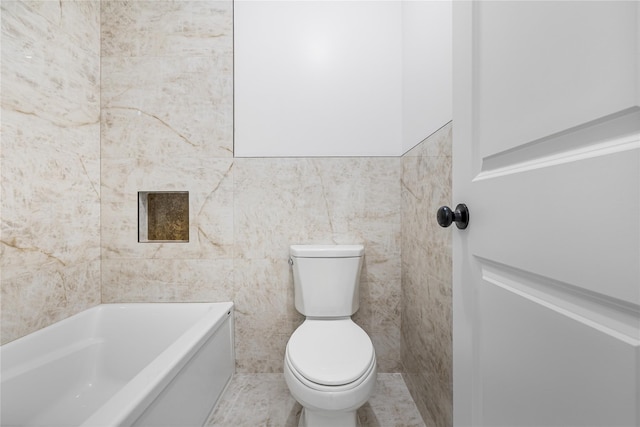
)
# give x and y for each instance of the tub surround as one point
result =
(166, 125)
(50, 159)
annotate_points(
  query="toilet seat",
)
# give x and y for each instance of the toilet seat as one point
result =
(330, 354)
(329, 388)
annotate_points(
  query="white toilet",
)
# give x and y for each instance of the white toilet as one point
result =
(330, 363)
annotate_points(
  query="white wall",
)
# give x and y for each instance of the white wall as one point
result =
(426, 69)
(339, 78)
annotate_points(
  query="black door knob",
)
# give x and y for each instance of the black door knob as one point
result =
(460, 216)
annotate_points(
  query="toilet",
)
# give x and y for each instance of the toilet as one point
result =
(329, 363)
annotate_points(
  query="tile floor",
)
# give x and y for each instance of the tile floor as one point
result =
(263, 400)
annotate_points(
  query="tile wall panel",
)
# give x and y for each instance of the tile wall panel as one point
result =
(279, 202)
(167, 126)
(426, 278)
(50, 162)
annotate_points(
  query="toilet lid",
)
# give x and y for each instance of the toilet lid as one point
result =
(330, 352)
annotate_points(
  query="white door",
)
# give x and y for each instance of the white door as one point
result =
(547, 159)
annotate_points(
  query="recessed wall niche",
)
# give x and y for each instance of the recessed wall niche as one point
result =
(163, 216)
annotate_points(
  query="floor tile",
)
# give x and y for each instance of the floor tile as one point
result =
(263, 400)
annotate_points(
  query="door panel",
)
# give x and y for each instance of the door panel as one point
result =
(543, 67)
(531, 376)
(547, 158)
(566, 223)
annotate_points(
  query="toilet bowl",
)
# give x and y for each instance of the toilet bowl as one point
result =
(330, 369)
(330, 363)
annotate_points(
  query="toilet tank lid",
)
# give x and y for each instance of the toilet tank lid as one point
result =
(326, 251)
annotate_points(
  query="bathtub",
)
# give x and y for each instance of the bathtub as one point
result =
(120, 365)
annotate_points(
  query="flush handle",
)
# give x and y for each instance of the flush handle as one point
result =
(460, 216)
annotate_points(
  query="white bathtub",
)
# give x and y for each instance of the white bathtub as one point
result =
(120, 365)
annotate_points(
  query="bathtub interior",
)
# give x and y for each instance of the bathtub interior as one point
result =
(63, 374)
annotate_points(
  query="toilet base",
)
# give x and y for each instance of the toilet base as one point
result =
(310, 418)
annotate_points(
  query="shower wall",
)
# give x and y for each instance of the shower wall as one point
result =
(426, 278)
(50, 162)
(167, 126)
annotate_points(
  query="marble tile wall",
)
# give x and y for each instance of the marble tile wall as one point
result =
(278, 202)
(167, 126)
(50, 162)
(426, 278)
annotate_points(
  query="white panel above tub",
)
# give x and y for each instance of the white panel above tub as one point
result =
(318, 78)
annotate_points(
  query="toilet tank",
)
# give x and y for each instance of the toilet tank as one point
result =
(326, 279)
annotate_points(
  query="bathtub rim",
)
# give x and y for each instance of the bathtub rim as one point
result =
(134, 397)
(124, 408)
